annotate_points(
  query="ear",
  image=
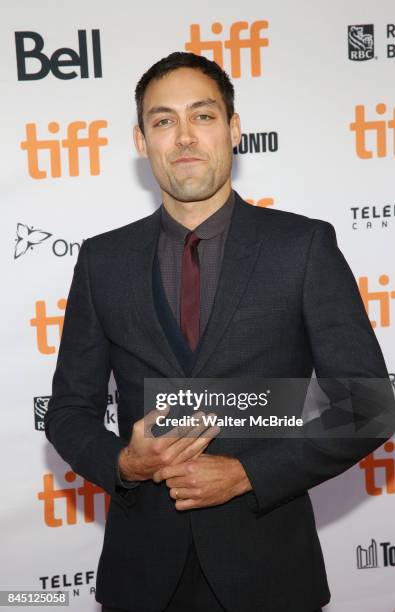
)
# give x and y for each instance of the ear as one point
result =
(235, 129)
(139, 141)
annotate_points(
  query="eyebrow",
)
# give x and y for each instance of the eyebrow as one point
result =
(167, 109)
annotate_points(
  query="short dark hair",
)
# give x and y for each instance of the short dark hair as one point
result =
(181, 59)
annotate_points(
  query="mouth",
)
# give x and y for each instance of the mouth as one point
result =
(187, 160)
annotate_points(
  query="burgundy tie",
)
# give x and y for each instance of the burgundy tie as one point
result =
(190, 291)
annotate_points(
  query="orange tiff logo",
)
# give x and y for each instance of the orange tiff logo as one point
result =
(262, 202)
(235, 43)
(379, 130)
(51, 496)
(382, 299)
(385, 466)
(73, 143)
(41, 322)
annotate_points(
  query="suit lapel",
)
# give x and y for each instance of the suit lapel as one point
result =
(140, 273)
(240, 254)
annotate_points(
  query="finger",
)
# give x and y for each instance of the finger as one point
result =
(211, 430)
(173, 470)
(199, 439)
(169, 471)
(202, 430)
(196, 447)
(157, 477)
(180, 482)
(188, 504)
(174, 444)
(165, 440)
(197, 455)
(150, 420)
(195, 429)
(185, 493)
(181, 433)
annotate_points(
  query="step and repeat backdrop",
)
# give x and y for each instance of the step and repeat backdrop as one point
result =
(315, 91)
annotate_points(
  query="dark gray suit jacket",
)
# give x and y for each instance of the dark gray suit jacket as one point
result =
(286, 303)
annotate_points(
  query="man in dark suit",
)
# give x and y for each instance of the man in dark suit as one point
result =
(206, 286)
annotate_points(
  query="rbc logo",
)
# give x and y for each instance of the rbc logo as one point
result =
(40, 408)
(62, 57)
(360, 42)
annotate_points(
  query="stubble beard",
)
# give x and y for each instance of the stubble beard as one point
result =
(193, 189)
(196, 189)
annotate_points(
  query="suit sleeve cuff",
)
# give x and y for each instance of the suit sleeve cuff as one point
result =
(120, 482)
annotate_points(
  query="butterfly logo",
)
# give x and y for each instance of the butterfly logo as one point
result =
(27, 238)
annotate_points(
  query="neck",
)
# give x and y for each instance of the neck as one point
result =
(192, 214)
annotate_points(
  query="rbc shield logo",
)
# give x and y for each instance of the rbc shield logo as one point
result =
(40, 408)
(361, 42)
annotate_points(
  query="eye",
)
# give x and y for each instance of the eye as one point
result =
(204, 117)
(161, 122)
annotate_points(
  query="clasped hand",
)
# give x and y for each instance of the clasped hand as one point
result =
(195, 479)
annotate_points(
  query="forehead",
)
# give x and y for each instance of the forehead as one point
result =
(180, 88)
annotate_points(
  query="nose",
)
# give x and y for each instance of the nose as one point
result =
(185, 135)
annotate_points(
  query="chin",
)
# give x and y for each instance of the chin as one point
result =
(194, 193)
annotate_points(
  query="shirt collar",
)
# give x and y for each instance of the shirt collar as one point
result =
(210, 227)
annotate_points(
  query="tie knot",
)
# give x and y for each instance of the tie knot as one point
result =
(191, 240)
